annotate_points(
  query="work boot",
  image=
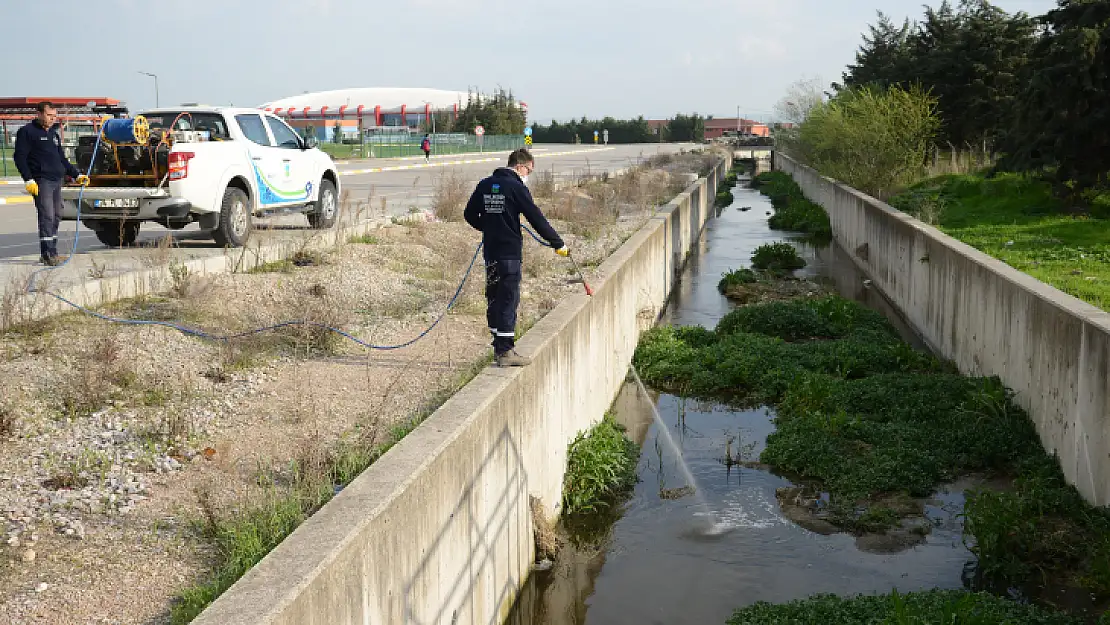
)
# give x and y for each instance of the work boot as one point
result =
(512, 359)
(54, 260)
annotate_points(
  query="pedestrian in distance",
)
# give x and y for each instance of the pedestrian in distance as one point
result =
(426, 145)
(494, 209)
(42, 163)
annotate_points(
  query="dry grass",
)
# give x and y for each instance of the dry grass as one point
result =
(544, 186)
(451, 191)
(546, 537)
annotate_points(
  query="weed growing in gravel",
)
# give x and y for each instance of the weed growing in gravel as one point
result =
(932, 606)
(780, 256)
(450, 192)
(792, 210)
(243, 537)
(601, 467)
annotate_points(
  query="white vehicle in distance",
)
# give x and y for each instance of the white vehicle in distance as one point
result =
(217, 167)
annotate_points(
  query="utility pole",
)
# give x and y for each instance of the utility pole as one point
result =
(155, 77)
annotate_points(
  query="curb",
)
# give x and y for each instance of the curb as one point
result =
(97, 292)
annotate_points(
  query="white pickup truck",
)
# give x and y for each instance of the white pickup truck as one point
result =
(215, 166)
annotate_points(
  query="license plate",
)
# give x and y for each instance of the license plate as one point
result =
(117, 203)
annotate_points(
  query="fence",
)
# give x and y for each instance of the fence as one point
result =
(394, 145)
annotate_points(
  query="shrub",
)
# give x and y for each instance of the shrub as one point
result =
(777, 257)
(736, 277)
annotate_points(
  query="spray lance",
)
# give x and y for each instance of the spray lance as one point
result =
(581, 277)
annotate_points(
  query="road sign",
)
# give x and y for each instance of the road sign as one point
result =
(606, 134)
(528, 131)
(527, 140)
(595, 137)
(478, 130)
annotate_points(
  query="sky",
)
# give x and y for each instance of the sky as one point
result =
(566, 59)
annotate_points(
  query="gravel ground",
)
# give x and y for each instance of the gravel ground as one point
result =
(111, 434)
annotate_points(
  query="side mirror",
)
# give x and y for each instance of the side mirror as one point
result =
(309, 143)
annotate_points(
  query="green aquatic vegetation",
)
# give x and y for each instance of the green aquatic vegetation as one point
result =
(777, 257)
(792, 210)
(601, 467)
(932, 607)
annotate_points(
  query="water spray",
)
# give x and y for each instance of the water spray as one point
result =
(715, 528)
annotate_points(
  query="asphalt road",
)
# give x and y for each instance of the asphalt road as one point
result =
(405, 184)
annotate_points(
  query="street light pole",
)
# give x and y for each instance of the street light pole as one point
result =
(155, 77)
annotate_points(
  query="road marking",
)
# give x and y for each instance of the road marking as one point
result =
(469, 161)
(16, 200)
(439, 156)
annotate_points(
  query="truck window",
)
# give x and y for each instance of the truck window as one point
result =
(283, 135)
(253, 128)
(213, 123)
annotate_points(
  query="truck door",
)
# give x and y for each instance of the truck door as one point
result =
(297, 164)
(274, 188)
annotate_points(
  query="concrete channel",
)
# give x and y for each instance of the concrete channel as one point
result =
(439, 529)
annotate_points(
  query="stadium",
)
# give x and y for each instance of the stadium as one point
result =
(369, 110)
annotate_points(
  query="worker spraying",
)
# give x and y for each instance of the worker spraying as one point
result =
(495, 208)
(42, 163)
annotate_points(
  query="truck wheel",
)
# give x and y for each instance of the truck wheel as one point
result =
(235, 219)
(116, 233)
(327, 207)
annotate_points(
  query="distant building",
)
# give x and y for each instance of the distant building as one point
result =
(718, 126)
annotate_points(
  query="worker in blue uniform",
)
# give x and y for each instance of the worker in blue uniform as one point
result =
(42, 163)
(495, 208)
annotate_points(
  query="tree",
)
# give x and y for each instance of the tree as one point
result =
(499, 113)
(1063, 111)
(871, 138)
(686, 128)
(620, 130)
(802, 96)
(970, 58)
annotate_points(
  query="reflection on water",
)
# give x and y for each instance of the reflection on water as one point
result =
(658, 565)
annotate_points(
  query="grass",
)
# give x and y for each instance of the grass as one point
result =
(792, 210)
(601, 467)
(940, 607)
(1017, 219)
(243, 537)
(777, 257)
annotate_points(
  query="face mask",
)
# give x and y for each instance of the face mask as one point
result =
(524, 179)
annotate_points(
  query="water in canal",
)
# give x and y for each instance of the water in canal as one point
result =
(656, 565)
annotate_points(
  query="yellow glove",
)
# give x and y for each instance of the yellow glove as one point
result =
(83, 180)
(563, 251)
(32, 187)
